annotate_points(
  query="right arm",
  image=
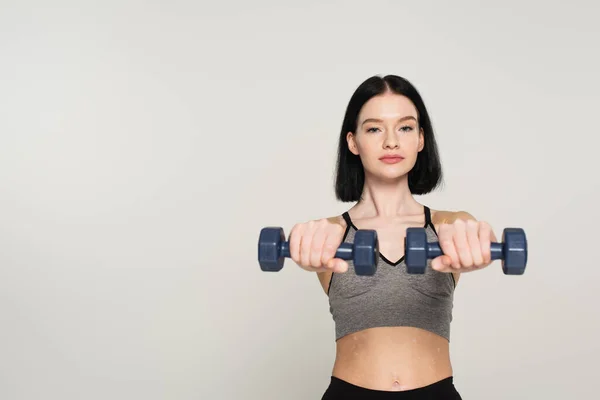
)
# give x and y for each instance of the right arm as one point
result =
(313, 245)
(325, 277)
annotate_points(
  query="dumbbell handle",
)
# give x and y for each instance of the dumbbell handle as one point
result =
(345, 251)
(434, 250)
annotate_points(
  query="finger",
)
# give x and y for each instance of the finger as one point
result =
(485, 242)
(462, 244)
(330, 246)
(447, 246)
(316, 246)
(305, 246)
(295, 238)
(474, 242)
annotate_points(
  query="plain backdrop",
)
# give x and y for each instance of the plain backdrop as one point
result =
(143, 145)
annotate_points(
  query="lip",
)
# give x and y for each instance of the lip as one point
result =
(391, 159)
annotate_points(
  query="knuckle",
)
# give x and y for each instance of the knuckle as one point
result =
(298, 229)
(295, 229)
(336, 228)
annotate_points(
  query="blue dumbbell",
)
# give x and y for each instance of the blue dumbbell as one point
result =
(512, 251)
(364, 252)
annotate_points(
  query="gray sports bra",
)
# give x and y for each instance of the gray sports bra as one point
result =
(391, 297)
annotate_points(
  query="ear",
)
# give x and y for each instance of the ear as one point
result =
(421, 139)
(352, 143)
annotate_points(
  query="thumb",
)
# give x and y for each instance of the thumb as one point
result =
(441, 263)
(340, 266)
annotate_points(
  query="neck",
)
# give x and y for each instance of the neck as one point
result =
(386, 199)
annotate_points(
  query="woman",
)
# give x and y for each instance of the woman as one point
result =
(392, 328)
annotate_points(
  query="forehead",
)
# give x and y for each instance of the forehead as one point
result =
(388, 106)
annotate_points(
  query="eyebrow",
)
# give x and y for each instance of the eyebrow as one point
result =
(378, 120)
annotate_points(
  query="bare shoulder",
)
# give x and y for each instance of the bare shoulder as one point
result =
(325, 277)
(440, 217)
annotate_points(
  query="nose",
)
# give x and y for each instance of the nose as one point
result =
(390, 140)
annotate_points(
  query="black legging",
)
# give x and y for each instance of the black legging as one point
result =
(442, 390)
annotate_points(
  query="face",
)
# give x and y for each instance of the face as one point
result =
(388, 137)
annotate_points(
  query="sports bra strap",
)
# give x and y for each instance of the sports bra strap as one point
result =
(346, 217)
(427, 216)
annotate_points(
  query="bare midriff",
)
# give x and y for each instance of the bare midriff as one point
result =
(392, 358)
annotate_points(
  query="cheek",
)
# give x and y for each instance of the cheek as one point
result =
(410, 143)
(367, 146)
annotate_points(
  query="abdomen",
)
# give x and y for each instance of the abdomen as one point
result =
(392, 358)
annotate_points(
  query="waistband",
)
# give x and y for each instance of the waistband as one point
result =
(341, 389)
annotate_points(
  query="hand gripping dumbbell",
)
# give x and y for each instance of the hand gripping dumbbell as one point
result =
(512, 251)
(364, 252)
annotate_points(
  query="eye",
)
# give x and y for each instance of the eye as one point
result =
(406, 128)
(372, 130)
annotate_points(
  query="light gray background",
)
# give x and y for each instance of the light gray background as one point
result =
(143, 145)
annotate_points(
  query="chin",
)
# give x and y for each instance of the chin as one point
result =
(389, 176)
